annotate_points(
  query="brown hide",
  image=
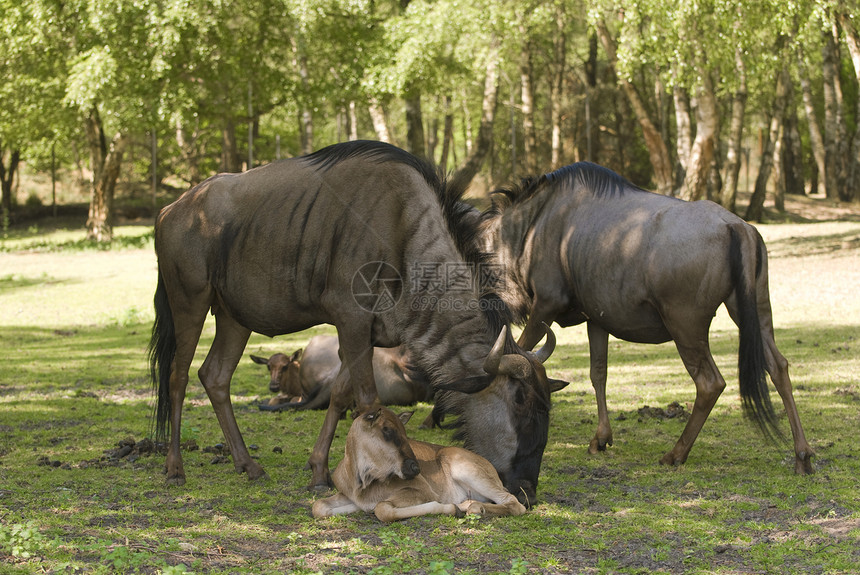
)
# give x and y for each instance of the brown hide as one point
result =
(371, 476)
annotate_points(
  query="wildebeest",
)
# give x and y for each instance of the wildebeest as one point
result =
(582, 244)
(310, 373)
(386, 473)
(345, 236)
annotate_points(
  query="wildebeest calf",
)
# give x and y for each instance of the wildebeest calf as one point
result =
(310, 374)
(394, 477)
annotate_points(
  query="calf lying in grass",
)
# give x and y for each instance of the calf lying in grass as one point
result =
(395, 477)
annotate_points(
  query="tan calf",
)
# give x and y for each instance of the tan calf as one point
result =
(386, 473)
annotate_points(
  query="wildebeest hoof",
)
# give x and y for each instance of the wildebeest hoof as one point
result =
(803, 464)
(176, 480)
(597, 445)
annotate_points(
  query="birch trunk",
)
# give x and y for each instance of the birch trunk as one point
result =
(488, 113)
(702, 152)
(816, 140)
(736, 131)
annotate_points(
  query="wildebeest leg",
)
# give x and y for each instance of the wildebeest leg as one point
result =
(354, 380)
(692, 345)
(215, 375)
(598, 348)
(188, 320)
(777, 367)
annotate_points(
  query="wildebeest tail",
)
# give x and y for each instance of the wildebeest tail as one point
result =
(162, 349)
(751, 359)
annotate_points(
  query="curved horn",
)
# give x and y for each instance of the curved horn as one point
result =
(491, 364)
(544, 352)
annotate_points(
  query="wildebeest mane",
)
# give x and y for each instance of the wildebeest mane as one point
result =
(601, 181)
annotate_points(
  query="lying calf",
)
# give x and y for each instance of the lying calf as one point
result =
(395, 477)
(305, 379)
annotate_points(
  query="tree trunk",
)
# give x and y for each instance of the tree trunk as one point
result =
(7, 178)
(852, 38)
(488, 113)
(684, 127)
(702, 152)
(229, 148)
(556, 85)
(377, 117)
(815, 138)
(778, 174)
(414, 124)
(448, 134)
(186, 141)
(105, 162)
(658, 152)
(792, 153)
(527, 97)
(592, 108)
(755, 210)
(736, 132)
(834, 173)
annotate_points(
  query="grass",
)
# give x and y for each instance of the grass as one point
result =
(74, 325)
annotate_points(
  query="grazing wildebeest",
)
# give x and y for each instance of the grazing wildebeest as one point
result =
(329, 238)
(386, 473)
(582, 244)
(310, 373)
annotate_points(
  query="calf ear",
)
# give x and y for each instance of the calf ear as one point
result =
(260, 360)
(297, 355)
(556, 384)
(405, 416)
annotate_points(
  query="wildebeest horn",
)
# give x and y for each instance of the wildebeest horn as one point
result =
(511, 364)
(544, 352)
(491, 364)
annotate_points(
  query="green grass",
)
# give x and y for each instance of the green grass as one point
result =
(74, 325)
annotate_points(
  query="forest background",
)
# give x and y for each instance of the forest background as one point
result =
(142, 99)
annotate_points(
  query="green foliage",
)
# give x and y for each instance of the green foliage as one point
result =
(22, 540)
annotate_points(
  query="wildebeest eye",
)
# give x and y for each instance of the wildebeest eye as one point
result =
(520, 397)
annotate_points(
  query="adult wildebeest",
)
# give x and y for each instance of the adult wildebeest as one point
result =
(329, 238)
(310, 373)
(582, 244)
(386, 473)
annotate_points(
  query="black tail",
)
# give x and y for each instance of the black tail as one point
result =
(162, 349)
(751, 361)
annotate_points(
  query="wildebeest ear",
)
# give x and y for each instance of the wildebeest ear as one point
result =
(405, 416)
(297, 355)
(469, 385)
(260, 360)
(556, 384)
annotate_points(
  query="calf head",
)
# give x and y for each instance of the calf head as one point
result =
(284, 372)
(379, 447)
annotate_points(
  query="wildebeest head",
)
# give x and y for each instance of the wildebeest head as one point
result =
(283, 373)
(378, 443)
(507, 419)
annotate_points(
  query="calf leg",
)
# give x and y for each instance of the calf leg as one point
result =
(598, 349)
(215, 375)
(387, 511)
(338, 504)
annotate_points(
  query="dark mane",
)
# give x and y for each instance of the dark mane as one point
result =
(599, 180)
(380, 152)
